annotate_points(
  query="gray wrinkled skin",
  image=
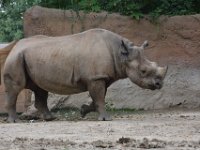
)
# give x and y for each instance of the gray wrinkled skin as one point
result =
(88, 61)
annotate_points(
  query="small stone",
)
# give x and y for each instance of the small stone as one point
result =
(123, 140)
(100, 144)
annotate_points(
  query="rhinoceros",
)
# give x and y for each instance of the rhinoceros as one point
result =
(88, 61)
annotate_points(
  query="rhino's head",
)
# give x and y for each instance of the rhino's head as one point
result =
(141, 71)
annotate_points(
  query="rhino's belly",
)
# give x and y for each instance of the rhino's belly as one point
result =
(67, 90)
(56, 80)
(59, 87)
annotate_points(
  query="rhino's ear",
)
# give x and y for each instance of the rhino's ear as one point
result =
(125, 49)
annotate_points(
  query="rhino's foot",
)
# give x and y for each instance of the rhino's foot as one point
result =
(35, 115)
(30, 115)
(85, 109)
(104, 117)
(12, 120)
(47, 117)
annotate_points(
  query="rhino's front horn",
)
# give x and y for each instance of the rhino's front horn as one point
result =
(162, 71)
(145, 44)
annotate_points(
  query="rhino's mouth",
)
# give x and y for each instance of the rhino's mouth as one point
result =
(154, 87)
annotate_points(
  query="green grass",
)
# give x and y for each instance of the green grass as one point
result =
(73, 114)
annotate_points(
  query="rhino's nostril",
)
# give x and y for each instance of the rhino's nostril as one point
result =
(157, 84)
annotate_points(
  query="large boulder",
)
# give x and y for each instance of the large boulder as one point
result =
(173, 41)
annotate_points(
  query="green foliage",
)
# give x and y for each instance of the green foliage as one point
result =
(11, 22)
(11, 11)
(175, 7)
(125, 7)
(89, 5)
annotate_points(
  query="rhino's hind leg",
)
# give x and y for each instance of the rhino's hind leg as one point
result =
(12, 89)
(11, 98)
(97, 90)
(41, 104)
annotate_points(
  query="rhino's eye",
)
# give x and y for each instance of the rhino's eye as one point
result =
(143, 72)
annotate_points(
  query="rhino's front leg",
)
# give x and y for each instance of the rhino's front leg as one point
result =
(97, 90)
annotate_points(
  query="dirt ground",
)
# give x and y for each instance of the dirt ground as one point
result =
(163, 130)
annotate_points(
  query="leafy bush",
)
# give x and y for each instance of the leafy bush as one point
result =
(175, 7)
(11, 22)
(125, 7)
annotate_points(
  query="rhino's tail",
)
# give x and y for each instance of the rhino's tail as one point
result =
(4, 53)
(6, 50)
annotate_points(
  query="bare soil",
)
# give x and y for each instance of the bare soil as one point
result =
(163, 130)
